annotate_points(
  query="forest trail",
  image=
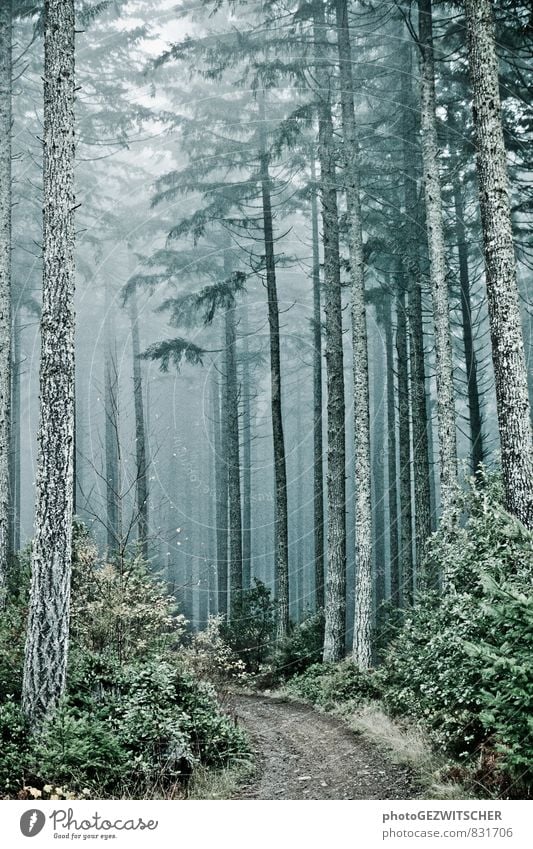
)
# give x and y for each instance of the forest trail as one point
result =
(302, 754)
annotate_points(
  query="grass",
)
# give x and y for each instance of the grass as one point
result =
(403, 742)
(406, 744)
(220, 784)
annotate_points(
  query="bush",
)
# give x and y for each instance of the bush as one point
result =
(134, 720)
(250, 633)
(120, 608)
(331, 684)
(462, 661)
(211, 658)
(505, 659)
(301, 648)
(14, 747)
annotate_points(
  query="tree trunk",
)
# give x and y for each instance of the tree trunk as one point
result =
(318, 463)
(212, 583)
(437, 259)
(392, 473)
(141, 459)
(246, 460)
(404, 438)
(5, 286)
(335, 596)
(363, 487)
(112, 436)
(474, 408)
(280, 466)
(221, 486)
(48, 624)
(421, 471)
(378, 475)
(299, 558)
(233, 464)
(502, 293)
(14, 451)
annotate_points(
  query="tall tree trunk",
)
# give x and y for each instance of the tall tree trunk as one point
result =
(363, 487)
(474, 408)
(392, 473)
(141, 458)
(233, 462)
(48, 624)
(502, 293)
(246, 459)
(212, 582)
(14, 451)
(318, 463)
(280, 465)
(412, 271)
(404, 439)
(112, 436)
(5, 286)
(299, 559)
(335, 596)
(437, 259)
(378, 475)
(221, 486)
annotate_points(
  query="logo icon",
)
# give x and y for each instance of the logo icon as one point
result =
(32, 822)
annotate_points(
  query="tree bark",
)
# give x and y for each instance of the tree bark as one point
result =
(246, 460)
(363, 487)
(404, 438)
(335, 595)
(5, 286)
(510, 373)
(48, 624)
(474, 407)
(141, 457)
(412, 271)
(233, 463)
(280, 465)
(385, 316)
(112, 436)
(437, 259)
(221, 486)
(15, 434)
(378, 475)
(318, 447)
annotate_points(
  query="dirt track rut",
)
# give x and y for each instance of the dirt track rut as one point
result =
(302, 754)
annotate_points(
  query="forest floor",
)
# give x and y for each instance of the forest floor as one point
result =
(302, 754)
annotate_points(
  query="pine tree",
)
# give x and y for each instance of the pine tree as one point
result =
(5, 283)
(437, 257)
(514, 417)
(363, 500)
(335, 595)
(48, 623)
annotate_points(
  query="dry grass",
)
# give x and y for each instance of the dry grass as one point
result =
(219, 784)
(406, 744)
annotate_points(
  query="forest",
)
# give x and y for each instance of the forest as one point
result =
(266, 373)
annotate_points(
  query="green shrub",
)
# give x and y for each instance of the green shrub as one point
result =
(14, 747)
(329, 685)
(12, 632)
(134, 720)
(461, 664)
(78, 750)
(301, 648)
(211, 658)
(505, 658)
(250, 633)
(119, 608)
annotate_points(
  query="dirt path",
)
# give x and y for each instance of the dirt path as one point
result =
(302, 754)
